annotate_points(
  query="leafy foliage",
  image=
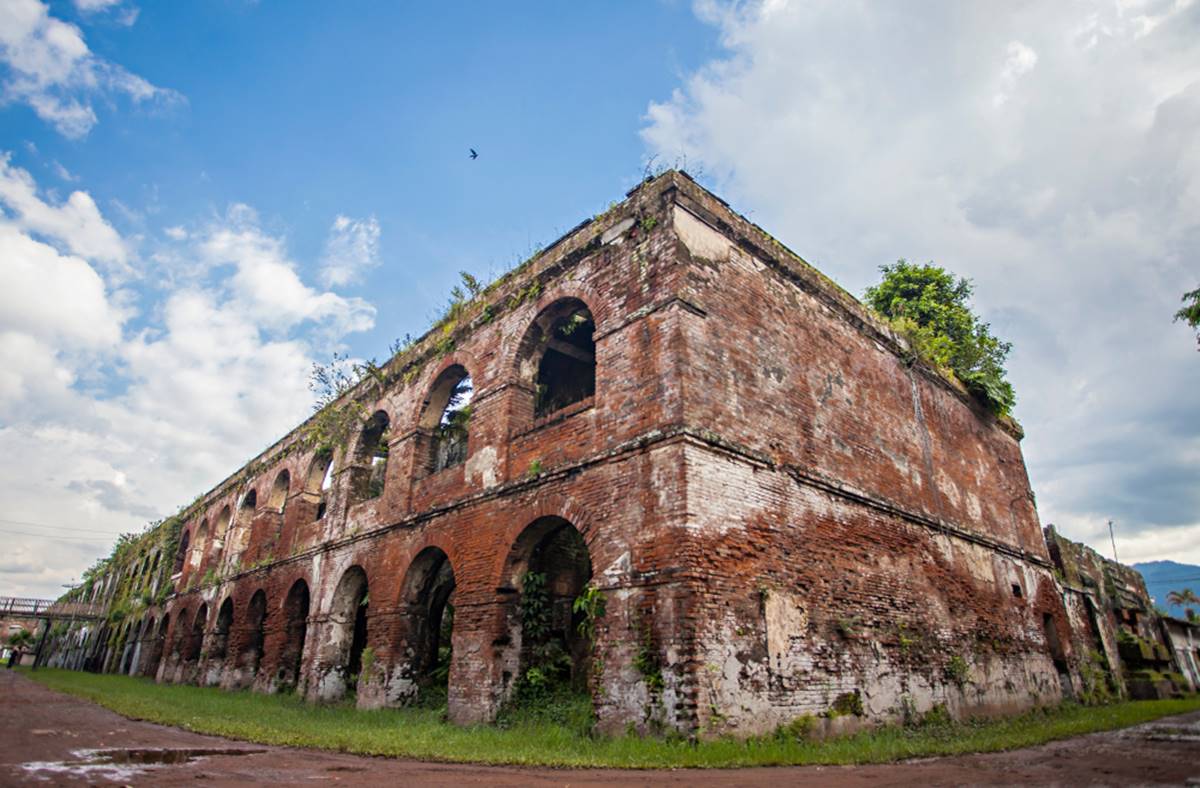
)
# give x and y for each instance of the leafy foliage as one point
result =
(931, 308)
(1190, 312)
(1185, 599)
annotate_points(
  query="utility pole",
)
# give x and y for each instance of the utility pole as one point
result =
(1113, 539)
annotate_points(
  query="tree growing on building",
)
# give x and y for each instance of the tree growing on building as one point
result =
(1190, 312)
(930, 307)
(1185, 599)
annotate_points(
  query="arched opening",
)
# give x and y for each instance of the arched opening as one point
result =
(181, 553)
(427, 625)
(549, 568)
(220, 637)
(221, 526)
(199, 546)
(195, 641)
(182, 631)
(295, 613)
(128, 646)
(239, 536)
(150, 667)
(446, 418)
(348, 630)
(320, 480)
(279, 491)
(370, 458)
(562, 343)
(255, 633)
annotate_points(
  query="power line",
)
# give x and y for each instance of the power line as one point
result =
(55, 527)
(83, 539)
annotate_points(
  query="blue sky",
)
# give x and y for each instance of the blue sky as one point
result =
(199, 199)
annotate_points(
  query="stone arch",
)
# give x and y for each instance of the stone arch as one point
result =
(221, 525)
(150, 667)
(239, 533)
(346, 635)
(425, 637)
(195, 636)
(182, 629)
(199, 545)
(128, 645)
(279, 490)
(556, 358)
(219, 645)
(295, 624)
(369, 466)
(254, 634)
(545, 571)
(182, 551)
(319, 479)
(445, 419)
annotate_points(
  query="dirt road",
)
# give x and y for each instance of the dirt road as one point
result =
(49, 739)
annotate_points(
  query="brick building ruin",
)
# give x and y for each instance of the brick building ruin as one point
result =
(783, 511)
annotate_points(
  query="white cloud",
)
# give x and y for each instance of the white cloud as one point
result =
(351, 250)
(104, 422)
(863, 133)
(265, 284)
(63, 173)
(50, 68)
(75, 225)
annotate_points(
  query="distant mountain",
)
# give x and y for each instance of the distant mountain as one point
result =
(1163, 577)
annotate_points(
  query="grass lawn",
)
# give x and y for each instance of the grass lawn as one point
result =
(421, 733)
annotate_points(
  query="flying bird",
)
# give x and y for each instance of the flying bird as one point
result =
(474, 155)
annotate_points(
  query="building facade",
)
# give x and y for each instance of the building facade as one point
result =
(665, 461)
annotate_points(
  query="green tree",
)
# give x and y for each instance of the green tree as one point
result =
(1185, 599)
(20, 640)
(1190, 313)
(930, 307)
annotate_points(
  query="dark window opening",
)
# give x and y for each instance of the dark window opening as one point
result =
(567, 370)
(195, 640)
(358, 643)
(220, 638)
(549, 568)
(279, 491)
(181, 554)
(320, 479)
(450, 434)
(371, 456)
(348, 628)
(256, 619)
(296, 630)
(1016, 588)
(428, 625)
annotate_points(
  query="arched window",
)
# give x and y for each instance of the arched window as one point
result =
(239, 534)
(198, 546)
(370, 458)
(221, 524)
(447, 417)
(562, 341)
(279, 491)
(320, 479)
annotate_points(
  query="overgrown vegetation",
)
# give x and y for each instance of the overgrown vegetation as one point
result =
(526, 739)
(930, 308)
(1190, 312)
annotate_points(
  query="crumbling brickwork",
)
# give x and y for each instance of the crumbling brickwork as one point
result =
(1121, 645)
(784, 513)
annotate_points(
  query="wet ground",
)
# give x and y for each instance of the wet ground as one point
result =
(54, 739)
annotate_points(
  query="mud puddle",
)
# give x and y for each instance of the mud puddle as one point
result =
(119, 764)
